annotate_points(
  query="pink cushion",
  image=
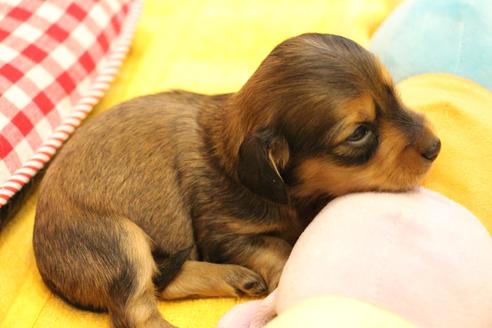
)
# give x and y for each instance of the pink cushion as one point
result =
(418, 255)
(57, 57)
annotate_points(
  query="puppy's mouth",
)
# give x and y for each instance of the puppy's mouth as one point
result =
(399, 190)
(398, 181)
(396, 188)
(408, 170)
(407, 182)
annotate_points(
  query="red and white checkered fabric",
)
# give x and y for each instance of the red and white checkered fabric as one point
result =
(57, 57)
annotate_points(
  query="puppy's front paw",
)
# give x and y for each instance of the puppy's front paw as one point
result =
(273, 278)
(246, 282)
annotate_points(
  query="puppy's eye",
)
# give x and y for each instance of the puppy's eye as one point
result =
(360, 135)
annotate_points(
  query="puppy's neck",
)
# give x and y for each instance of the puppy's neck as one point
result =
(224, 130)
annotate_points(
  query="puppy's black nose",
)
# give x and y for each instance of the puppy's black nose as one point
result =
(431, 152)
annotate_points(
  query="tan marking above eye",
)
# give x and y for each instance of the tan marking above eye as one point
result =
(351, 114)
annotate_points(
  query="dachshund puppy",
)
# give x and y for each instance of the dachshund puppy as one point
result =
(198, 196)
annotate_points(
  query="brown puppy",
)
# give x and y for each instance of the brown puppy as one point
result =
(198, 195)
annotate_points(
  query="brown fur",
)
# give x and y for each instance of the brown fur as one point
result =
(201, 196)
(205, 279)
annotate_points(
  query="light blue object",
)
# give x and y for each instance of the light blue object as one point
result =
(438, 36)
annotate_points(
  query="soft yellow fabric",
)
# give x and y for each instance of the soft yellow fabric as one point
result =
(337, 312)
(213, 46)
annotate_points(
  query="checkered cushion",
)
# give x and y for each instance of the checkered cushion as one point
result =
(57, 57)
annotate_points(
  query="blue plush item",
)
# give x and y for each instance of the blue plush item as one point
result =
(438, 36)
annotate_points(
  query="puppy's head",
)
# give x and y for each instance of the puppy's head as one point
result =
(320, 117)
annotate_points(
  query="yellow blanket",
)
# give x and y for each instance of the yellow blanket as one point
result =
(213, 46)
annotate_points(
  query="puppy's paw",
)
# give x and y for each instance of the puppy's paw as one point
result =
(246, 282)
(273, 279)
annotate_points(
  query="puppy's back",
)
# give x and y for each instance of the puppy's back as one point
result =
(123, 152)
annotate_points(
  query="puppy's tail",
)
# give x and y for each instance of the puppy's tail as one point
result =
(169, 267)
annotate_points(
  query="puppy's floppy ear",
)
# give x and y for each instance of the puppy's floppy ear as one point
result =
(262, 156)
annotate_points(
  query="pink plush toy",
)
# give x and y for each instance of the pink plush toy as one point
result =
(418, 255)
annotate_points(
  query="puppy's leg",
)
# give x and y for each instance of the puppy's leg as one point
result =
(132, 295)
(104, 263)
(204, 279)
(265, 255)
